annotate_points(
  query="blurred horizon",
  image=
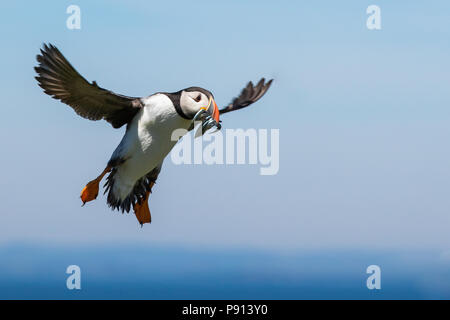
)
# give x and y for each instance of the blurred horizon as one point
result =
(136, 272)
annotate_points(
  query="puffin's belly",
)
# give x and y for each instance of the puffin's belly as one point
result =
(145, 159)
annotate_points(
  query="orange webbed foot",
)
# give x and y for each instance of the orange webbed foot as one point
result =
(90, 191)
(142, 211)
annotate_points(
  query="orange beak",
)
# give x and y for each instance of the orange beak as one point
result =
(215, 113)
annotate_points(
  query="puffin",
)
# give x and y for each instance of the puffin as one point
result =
(135, 164)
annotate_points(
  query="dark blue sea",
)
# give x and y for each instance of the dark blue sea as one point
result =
(134, 272)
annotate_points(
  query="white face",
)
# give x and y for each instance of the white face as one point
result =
(192, 101)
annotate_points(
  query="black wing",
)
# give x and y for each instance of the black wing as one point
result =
(61, 81)
(248, 95)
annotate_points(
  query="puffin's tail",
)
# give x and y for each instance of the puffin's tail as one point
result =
(123, 195)
(136, 194)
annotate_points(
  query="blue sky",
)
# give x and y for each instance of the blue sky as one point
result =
(363, 118)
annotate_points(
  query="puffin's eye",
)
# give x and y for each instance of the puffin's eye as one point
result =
(199, 97)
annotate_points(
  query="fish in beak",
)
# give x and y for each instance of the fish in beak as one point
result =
(209, 115)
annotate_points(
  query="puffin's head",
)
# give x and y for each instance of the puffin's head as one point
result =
(198, 104)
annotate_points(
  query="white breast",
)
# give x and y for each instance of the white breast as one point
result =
(146, 142)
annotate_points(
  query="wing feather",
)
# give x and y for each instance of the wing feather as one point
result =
(60, 80)
(249, 95)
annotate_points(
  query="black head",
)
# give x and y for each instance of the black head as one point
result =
(188, 102)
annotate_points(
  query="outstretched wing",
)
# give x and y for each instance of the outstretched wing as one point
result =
(248, 95)
(61, 81)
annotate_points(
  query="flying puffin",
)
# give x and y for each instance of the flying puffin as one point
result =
(136, 162)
